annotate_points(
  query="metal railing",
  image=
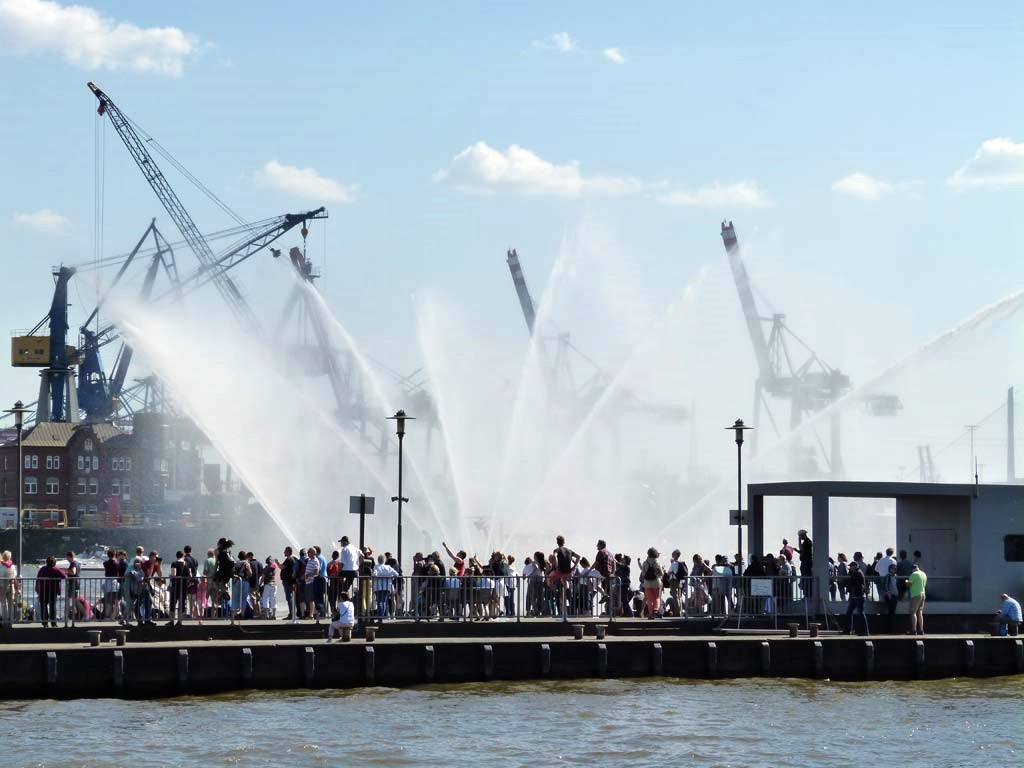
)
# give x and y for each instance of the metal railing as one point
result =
(128, 600)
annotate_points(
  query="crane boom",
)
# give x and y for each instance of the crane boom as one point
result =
(172, 204)
(525, 300)
(754, 326)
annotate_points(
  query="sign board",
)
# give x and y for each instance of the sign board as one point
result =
(8, 518)
(738, 517)
(761, 587)
(355, 505)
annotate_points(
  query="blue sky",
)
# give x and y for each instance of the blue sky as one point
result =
(872, 156)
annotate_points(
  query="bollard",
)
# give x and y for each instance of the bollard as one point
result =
(121, 635)
(371, 634)
(545, 659)
(812, 629)
(794, 630)
(346, 634)
(95, 636)
(657, 659)
(428, 663)
(577, 631)
(370, 665)
(766, 658)
(600, 630)
(488, 662)
(869, 659)
(969, 657)
(602, 659)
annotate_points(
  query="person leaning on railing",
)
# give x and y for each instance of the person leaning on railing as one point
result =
(48, 581)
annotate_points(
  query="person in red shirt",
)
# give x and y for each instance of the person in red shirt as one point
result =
(48, 581)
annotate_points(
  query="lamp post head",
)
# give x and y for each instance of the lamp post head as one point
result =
(400, 418)
(19, 410)
(739, 427)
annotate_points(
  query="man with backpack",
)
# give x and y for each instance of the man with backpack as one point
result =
(604, 564)
(651, 572)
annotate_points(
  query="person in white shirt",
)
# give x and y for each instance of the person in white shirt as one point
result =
(350, 558)
(8, 588)
(346, 617)
(383, 585)
(882, 569)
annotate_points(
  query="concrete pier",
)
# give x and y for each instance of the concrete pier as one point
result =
(168, 668)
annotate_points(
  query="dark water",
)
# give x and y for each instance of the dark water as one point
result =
(594, 722)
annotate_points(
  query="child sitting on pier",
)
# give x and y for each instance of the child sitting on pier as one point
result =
(346, 617)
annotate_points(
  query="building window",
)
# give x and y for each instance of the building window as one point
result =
(81, 462)
(81, 486)
(128, 463)
(52, 486)
(94, 486)
(88, 444)
(49, 462)
(81, 511)
(31, 486)
(115, 487)
(126, 489)
(96, 462)
(92, 509)
(1013, 548)
(56, 462)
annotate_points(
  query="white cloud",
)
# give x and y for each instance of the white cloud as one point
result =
(865, 187)
(998, 162)
(739, 194)
(84, 38)
(305, 183)
(43, 221)
(614, 55)
(560, 41)
(862, 186)
(484, 169)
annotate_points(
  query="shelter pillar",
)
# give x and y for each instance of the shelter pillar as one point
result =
(819, 535)
(755, 526)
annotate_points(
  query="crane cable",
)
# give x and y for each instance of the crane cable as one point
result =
(99, 195)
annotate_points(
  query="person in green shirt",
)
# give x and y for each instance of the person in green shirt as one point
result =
(918, 580)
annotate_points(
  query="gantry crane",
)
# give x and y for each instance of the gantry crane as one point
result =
(809, 386)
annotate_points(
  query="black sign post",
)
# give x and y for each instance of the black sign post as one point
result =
(361, 505)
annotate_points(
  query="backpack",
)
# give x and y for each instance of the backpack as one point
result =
(651, 572)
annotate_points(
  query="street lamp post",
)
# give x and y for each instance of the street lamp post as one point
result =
(400, 418)
(739, 428)
(19, 410)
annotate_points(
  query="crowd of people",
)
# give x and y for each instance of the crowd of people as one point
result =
(355, 583)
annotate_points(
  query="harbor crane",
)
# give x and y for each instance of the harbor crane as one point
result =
(808, 386)
(558, 371)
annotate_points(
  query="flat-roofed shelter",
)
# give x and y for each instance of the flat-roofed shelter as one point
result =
(971, 536)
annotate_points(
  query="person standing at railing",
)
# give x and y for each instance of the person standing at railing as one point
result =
(903, 570)
(72, 573)
(889, 591)
(178, 576)
(204, 589)
(366, 582)
(604, 564)
(882, 567)
(9, 592)
(310, 576)
(334, 584)
(111, 586)
(918, 580)
(268, 598)
(288, 582)
(320, 585)
(397, 597)
(806, 563)
(383, 584)
(350, 557)
(855, 606)
(222, 578)
(191, 584)
(48, 580)
(651, 572)
(511, 582)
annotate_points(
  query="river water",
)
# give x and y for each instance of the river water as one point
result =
(650, 722)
